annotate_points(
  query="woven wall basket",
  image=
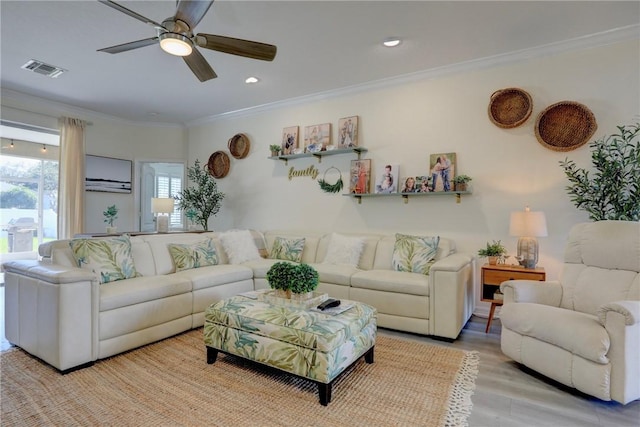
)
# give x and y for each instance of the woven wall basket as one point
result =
(509, 108)
(219, 164)
(565, 126)
(239, 146)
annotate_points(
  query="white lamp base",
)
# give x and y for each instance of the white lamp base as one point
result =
(162, 223)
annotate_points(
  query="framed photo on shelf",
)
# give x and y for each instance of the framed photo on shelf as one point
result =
(348, 132)
(408, 184)
(423, 184)
(107, 175)
(317, 137)
(386, 179)
(289, 140)
(360, 176)
(442, 168)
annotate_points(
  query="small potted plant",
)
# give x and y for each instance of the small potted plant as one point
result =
(275, 149)
(110, 215)
(461, 181)
(493, 251)
(291, 280)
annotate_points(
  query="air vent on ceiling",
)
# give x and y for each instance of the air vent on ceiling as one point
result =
(44, 69)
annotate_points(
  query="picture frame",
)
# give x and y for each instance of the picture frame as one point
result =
(348, 132)
(408, 185)
(423, 184)
(107, 175)
(317, 137)
(360, 176)
(386, 178)
(290, 139)
(442, 169)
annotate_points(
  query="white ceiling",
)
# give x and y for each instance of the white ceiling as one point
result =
(322, 46)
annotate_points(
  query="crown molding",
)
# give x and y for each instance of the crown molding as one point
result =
(590, 41)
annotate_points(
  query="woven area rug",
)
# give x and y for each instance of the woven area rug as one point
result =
(170, 384)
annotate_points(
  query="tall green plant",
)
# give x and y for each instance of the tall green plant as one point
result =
(613, 193)
(203, 196)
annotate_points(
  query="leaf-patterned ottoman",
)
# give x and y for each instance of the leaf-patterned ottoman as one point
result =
(306, 343)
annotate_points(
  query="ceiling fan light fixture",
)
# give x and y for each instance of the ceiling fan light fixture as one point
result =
(176, 44)
(251, 80)
(392, 41)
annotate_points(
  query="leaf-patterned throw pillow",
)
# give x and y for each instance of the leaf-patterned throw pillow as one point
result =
(414, 253)
(287, 249)
(109, 259)
(195, 255)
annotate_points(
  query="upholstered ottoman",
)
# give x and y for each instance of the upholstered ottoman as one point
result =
(303, 342)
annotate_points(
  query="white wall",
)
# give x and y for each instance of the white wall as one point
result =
(104, 136)
(404, 124)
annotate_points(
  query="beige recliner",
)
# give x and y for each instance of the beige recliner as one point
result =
(584, 330)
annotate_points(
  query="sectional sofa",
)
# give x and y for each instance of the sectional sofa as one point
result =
(71, 316)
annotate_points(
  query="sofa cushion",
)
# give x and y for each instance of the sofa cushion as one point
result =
(581, 333)
(335, 274)
(207, 277)
(141, 289)
(414, 253)
(260, 266)
(195, 255)
(391, 281)
(344, 250)
(110, 259)
(239, 246)
(287, 249)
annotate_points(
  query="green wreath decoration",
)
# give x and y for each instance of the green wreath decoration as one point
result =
(331, 188)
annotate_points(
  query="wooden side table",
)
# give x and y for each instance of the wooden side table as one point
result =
(494, 275)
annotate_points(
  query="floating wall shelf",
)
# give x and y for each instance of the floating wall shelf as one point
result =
(405, 196)
(320, 154)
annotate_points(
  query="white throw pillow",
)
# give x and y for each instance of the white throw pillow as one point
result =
(239, 246)
(344, 250)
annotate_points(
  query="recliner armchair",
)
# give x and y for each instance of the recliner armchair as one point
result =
(584, 330)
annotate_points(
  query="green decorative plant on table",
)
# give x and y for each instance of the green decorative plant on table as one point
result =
(110, 215)
(461, 182)
(202, 197)
(292, 278)
(493, 251)
(613, 193)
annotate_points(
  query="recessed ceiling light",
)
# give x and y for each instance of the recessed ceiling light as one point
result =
(251, 80)
(392, 42)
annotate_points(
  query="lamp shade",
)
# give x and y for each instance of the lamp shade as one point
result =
(528, 224)
(162, 205)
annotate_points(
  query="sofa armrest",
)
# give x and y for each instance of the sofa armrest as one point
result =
(547, 293)
(451, 296)
(621, 319)
(51, 311)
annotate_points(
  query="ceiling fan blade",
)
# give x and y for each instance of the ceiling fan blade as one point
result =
(131, 13)
(192, 12)
(129, 46)
(200, 66)
(247, 48)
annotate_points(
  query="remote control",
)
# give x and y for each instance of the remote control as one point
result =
(331, 302)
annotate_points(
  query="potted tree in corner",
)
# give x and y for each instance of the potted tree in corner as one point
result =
(110, 215)
(202, 196)
(493, 251)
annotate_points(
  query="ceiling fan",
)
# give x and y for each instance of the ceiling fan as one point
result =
(176, 37)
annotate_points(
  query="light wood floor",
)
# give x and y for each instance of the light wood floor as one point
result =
(507, 394)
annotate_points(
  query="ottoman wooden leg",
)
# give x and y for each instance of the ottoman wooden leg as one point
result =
(212, 355)
(324, 391)
(368, 356)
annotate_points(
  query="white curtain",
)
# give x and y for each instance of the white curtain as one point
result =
(71, 185)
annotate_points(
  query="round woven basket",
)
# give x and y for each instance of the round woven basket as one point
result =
(510, 107)
(565, 126)
(219, 164)
(239, 146)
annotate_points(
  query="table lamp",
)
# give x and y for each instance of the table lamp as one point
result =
(528, 225)
(162, 207)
